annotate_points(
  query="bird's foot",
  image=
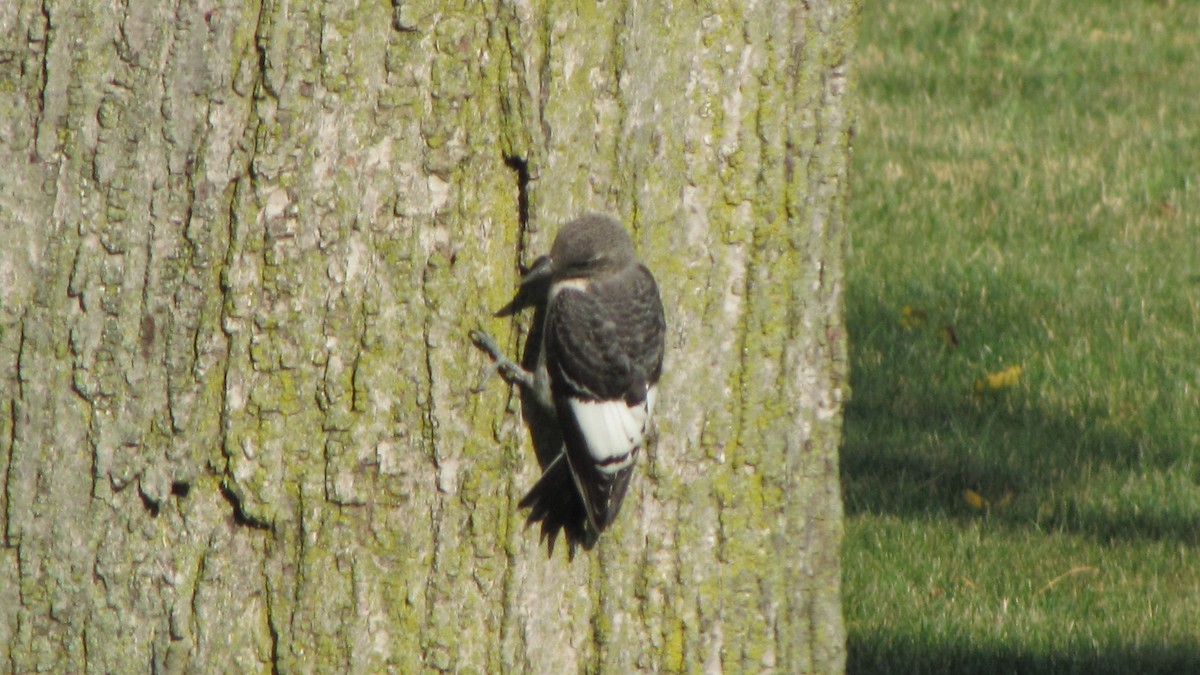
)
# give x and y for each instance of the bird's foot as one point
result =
(510, 370)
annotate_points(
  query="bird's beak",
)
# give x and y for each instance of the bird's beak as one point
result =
(535, 283)
(542, 268)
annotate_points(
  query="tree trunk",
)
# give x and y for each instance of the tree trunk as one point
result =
(242, 247)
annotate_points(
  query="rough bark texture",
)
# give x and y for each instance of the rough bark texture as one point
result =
(242, 245)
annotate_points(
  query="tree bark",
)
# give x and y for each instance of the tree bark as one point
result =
(242, 246)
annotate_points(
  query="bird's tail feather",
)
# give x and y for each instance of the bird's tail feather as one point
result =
(555, 503)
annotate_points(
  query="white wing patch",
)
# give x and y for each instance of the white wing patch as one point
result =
(612, 429)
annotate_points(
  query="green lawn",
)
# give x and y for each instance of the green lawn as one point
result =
(1026, 191)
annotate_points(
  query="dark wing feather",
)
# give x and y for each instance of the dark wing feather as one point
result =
(607, 342)
(603, 344)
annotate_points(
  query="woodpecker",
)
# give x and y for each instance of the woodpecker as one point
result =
(598, 362)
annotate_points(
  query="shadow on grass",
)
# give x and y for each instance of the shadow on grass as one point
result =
(918, 437)
(881, 653)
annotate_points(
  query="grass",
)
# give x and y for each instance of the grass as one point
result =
(1027, 185)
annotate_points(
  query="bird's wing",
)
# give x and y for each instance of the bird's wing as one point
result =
(604, 359)
(606, 342)
(611, 429)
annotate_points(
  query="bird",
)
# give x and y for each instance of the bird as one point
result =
(598, 363)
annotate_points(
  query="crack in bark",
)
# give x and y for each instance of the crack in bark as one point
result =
(521, 166)
(261, 40)
(5, 490)
(240, 516)
(6, 496)
(149, 503)
(274, 632)
(42, 88)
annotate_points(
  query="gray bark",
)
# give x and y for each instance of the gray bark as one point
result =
(242, 246)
